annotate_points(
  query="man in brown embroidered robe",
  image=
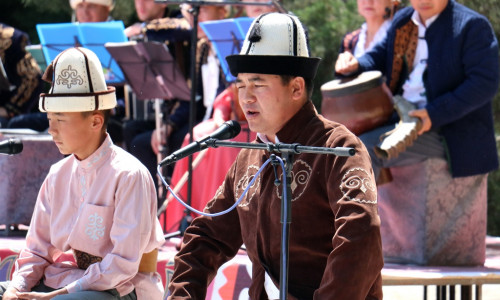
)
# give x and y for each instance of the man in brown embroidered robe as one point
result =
(334, 247)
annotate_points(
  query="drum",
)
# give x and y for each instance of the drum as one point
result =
(361, 103)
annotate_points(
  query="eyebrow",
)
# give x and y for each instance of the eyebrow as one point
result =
(252, 79)
(57, 114)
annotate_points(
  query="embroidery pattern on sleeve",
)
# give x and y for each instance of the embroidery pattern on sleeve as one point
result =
(357, 185)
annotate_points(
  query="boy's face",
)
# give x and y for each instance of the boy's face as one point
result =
(265, 101)
(428, 8)
(72, 133)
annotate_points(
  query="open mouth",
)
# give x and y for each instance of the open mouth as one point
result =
(251, 113)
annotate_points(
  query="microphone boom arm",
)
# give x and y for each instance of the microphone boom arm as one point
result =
(283, 148)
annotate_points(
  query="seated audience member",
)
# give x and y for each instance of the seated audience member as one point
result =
(334, 246)
(454, 110)
(98, 202)
(20, 78)
(378, 16)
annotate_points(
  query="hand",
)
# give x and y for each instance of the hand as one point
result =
(346, 63)
(3, 112)
(133, 30)
(423, 115)
(185, 11)
(158, 143)
(10, 294)
(41, 296)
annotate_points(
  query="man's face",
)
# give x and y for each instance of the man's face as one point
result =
(91, 12)
(265, 101)
(428, 8)
(210, 13)
(148, 10)
(254, 11)
(70, 132)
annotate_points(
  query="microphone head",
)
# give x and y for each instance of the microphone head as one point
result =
(227, 130)
(12, 146)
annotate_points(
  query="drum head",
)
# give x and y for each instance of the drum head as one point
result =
(352, 85)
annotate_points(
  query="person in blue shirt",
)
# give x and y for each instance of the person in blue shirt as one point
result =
(442, 57)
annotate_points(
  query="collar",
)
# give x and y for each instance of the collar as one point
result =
(416, 19)
(99, 156)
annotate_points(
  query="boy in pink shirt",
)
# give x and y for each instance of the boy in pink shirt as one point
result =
(99, 202)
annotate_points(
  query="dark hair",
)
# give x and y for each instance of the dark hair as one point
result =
(285, 79)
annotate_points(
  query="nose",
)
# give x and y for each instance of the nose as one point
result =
(245, 95)
(51, 129)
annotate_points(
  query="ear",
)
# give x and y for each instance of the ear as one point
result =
(97, 121)
(298, 86)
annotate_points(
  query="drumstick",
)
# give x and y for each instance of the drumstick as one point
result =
(181, 182)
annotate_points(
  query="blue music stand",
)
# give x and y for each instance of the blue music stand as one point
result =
(55, 38)
(227, 38)
(243, 24)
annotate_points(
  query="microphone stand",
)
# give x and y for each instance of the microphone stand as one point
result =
(195, 11)
(289, 150)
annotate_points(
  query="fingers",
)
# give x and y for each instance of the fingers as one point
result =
(346, 63)
(423, 115)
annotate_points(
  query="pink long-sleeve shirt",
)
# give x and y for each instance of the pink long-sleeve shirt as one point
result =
(105, 206)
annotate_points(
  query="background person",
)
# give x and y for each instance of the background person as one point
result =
(455, 110)
(378, 16)
(84, 11)
(146, 10)
(92, 10)
(143, 142)
(21, 75)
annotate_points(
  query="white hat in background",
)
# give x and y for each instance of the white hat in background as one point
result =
(77, 84)
(109, 3)
(276, 44)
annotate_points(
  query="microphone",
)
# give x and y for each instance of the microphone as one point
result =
(11, 146)
(227, 130)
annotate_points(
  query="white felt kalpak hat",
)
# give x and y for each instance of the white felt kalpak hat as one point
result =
(77, 83)
(276, 44)
(109, 3)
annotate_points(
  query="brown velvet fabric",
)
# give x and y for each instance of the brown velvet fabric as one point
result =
(335, 249)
